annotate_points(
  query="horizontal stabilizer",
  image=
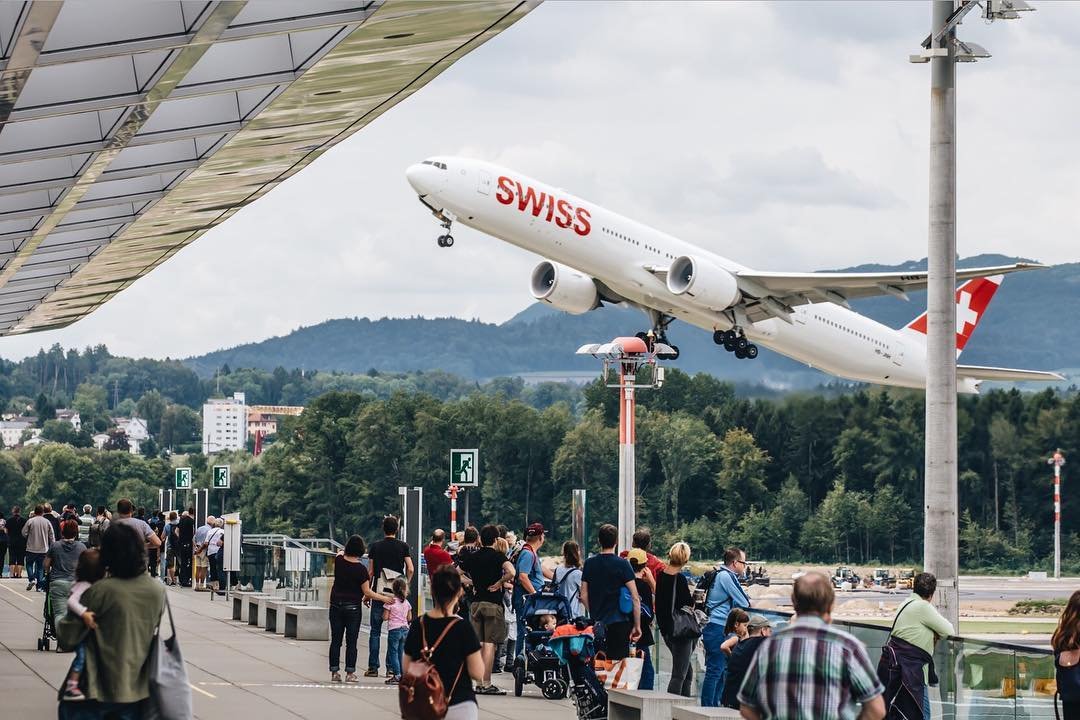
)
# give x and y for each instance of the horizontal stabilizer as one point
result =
(977, 372)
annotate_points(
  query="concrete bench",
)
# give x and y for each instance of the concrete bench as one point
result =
(696, 712)
(643, 704)
(307, 622)
(251, 607)
(274, 614)
(238, 603)
(262, 606)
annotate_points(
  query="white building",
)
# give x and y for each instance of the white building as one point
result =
(137, 433)
(11, 431)
(70, 416)
(224, 424)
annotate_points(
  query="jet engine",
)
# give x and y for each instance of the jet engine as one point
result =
(565, 288)
(706, 283)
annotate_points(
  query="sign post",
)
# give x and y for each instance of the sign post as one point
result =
(222, 479)
(231, 549)
(452, 493)
(412, 532)
(1057, 460)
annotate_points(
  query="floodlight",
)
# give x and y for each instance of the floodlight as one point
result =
(1005, 9)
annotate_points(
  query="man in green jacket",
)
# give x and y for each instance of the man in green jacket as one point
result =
(919, 623)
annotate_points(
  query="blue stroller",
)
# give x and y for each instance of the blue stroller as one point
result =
(539, 664)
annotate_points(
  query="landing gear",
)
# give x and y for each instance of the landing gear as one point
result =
(445, 241)
(658, 334)
(735, 341)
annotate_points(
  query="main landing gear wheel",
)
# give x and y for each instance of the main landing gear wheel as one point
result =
(751, 351)
(445, 241)
(740, 353)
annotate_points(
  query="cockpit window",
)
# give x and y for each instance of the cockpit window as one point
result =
(427, 162)
(440, 165)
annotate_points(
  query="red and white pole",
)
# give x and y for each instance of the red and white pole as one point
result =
(627, 432)
(1057, 461)
(453, 491)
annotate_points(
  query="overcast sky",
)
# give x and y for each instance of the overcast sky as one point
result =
(787, 136)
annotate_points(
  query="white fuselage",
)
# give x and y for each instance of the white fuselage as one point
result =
(617, 250)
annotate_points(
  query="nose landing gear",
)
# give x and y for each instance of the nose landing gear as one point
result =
(734, 341)
(445, 240)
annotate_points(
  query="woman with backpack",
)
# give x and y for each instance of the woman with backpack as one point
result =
(568, 577)
(1066, 644)
(443, 648)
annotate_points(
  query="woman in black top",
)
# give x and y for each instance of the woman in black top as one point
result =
(351, 586)
(457, 658)
(671, 580)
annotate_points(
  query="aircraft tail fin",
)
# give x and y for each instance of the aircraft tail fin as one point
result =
(972, 300)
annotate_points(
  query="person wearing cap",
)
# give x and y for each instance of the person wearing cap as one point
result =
(646, 588)
(759, 628)
(642, 540)
(530, 578)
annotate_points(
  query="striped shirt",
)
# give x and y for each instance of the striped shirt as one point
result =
(810, 671)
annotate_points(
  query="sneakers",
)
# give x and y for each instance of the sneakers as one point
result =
(496, 670)
(393, 680)
(335, 677)
(72, 693)
(29, 585)
(351, 678)
(489, 690)
(371, 672)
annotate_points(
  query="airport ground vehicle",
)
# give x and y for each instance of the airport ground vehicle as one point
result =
(906, 580)
(883, 578)
(845, 575)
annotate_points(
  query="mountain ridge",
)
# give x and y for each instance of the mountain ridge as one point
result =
(1015, 333)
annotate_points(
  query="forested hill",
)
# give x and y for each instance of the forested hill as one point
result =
(1027, 326)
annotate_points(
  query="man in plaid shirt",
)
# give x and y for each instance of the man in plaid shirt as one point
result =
(811, 670)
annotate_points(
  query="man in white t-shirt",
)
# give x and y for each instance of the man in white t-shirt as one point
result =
(215, 539)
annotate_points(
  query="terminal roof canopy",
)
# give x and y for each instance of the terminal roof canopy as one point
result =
(129, 128)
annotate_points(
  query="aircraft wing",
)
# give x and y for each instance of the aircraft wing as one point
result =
(978, 372)
(774, 294)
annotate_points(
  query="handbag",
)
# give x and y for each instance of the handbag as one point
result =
(170, 692)
(622, 674)
(687, 621)
(421, 694)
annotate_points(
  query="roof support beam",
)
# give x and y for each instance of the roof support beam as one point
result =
(217, 22)
(37, 21)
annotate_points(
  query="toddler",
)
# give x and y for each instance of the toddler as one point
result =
(88, 570)
(397, 614)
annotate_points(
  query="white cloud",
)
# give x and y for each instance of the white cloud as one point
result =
(787, 135)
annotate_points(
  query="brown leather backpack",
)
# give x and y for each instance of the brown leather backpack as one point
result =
(421, 694)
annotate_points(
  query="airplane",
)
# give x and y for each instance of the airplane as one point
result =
(596, 257)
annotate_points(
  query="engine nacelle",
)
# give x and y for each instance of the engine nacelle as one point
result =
(706, 283)
(565, 288)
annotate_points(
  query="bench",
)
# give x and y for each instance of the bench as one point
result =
(275, 609)
(307, 622)
(643, 704)
(238, 603)
(262, 606)
(251, 607)
(696, 712)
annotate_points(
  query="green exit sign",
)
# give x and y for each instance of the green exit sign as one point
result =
(221, 477)
(183, 478)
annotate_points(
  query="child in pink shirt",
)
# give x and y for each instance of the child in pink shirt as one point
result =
(397, 614)
(88, 570)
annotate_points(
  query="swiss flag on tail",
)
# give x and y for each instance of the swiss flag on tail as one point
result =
(972, 299)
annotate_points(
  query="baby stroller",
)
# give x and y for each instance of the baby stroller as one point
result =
(48, 632)
(539, 665)
(575, 647)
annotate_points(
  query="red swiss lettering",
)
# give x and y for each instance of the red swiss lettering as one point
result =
(505, 193)
(582, 226)
(564, 218)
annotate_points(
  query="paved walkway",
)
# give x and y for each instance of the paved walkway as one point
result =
(235, 670)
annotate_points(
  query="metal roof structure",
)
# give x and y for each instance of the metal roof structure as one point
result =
(129, 128)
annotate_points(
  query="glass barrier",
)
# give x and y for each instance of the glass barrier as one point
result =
(979, 680)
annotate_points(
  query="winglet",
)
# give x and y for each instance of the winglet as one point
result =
(972, 300)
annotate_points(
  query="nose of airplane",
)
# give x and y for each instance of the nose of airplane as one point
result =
(422, 177)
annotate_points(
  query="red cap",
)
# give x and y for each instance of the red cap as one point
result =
(534, 530)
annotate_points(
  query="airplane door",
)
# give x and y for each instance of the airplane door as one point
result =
(484, 188)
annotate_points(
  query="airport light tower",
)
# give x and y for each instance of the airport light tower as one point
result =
(942, 49)
(627, 356)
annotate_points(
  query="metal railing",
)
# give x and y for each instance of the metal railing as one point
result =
(294, 565)
(979, 679)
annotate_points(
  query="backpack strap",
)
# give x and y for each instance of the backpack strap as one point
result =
(429, 651)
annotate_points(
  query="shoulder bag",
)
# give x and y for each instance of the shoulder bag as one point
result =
(170, 692)
(687, 621)
(421, 693)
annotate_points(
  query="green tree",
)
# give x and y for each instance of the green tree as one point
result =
(91, 402)
(741, 478)
(687, 451)
(151, 407)
(179, 425)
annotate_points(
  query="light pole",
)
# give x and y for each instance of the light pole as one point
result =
(1057, 460)
(628, 355)
(942, 49)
